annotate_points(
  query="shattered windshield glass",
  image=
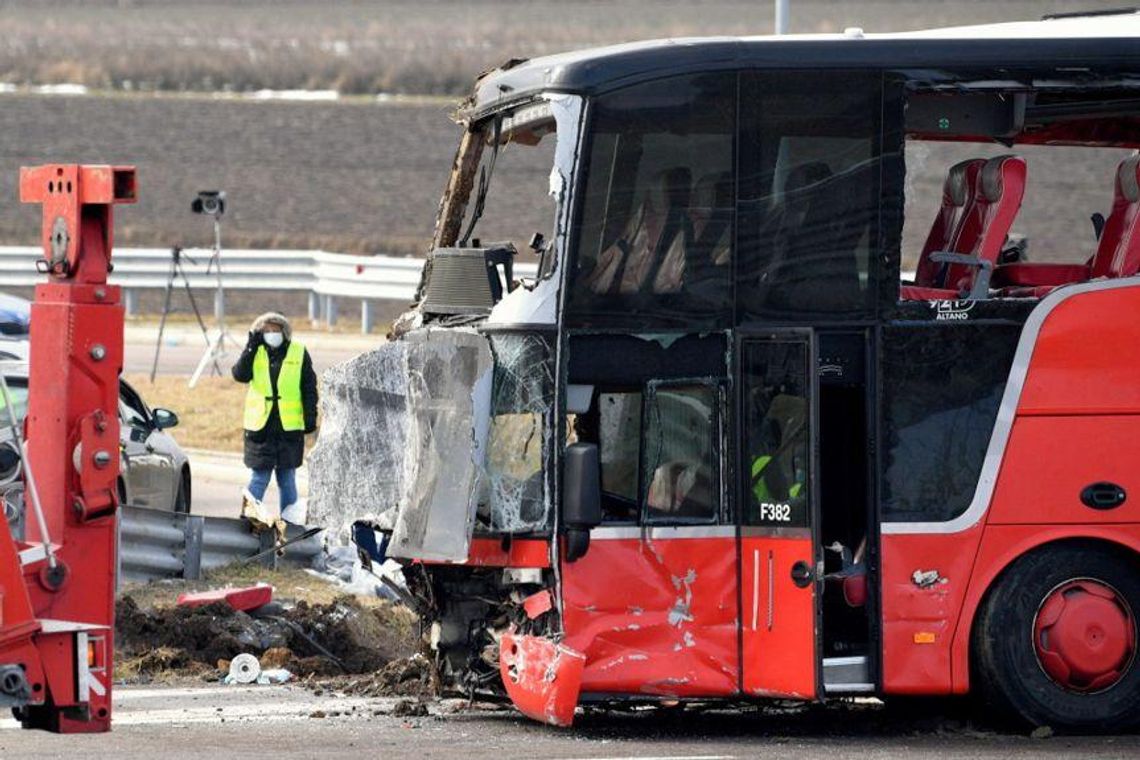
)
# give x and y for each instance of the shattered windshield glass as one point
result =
(515, 497)
(435, 436)
(403, 442)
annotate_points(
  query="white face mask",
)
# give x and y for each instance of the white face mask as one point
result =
(274, 339)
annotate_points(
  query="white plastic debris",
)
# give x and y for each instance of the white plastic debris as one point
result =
(275, 675)
(244, 668)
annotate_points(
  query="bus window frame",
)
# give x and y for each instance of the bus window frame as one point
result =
(884, 261)
(722, 514)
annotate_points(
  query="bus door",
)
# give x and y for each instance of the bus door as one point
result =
(653, 602)
(777, 547)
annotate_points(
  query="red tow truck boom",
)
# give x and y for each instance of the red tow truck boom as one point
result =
(57, 587)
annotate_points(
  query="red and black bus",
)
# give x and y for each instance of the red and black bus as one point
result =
(826, 381)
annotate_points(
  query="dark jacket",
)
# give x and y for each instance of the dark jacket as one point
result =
(271, 447)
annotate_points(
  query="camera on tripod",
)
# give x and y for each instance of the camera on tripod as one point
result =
(210, 202)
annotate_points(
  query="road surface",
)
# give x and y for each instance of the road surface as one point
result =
(291, 722)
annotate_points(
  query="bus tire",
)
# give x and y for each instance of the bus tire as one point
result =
(1055, 643)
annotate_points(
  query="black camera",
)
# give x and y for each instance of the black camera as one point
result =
(211, 202)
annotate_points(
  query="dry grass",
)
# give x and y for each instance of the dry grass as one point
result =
(404, 46)
(209, 415)
(289, 583)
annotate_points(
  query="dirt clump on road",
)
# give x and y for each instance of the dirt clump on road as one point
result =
(406, 677)
(340, 638)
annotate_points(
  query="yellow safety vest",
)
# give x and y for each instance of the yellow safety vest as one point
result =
(259, 397)
(760, 480)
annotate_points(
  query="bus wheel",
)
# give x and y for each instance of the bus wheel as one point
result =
(1056, 641)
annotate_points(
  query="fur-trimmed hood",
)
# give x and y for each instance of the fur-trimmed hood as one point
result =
(273, 317)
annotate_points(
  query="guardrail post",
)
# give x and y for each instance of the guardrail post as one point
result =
(268, 540)
(365, 316)
(330, 311)
(192, 558)
(130, 301)
(314, 307)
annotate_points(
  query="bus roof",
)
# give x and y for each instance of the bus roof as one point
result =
(1066, 42)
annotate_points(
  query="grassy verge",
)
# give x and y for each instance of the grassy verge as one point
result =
(292, 584)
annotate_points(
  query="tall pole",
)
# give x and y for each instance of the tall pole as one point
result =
(220, 293)
(782, 16)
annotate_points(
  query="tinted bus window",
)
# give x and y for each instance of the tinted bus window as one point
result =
(655, 240)
(942, 386)
(809, 194)
(619, 443)
(776, 433)
(682, 453)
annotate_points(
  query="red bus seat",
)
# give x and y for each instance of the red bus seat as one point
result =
(987, 221)
(1117, 253)
(711, 217)
(852, 578)
(652, 232)
(957, 193)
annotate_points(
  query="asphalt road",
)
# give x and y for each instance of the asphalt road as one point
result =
(290, 722)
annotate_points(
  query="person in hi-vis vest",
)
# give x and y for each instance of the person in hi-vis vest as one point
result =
(280, 408)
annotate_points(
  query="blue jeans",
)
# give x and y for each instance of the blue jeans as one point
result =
(286, 484)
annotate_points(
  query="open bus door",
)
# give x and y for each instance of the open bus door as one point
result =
(778, 575)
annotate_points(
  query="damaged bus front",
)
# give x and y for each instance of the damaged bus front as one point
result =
(444, 438)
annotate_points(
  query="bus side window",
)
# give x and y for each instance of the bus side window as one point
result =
(682, 453)
(776, 426)
(613, 422)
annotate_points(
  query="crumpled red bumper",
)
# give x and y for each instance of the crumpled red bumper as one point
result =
(542, 678)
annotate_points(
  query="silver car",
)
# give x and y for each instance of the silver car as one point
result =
(155, 470)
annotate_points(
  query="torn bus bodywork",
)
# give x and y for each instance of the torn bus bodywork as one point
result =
(444, 437)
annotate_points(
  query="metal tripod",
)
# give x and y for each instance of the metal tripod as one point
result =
(216, 346)
(176, 271)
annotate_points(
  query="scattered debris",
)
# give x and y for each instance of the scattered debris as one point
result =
(243, 669)
(245, 599)
(342, 565)
(342, 637)
(409, 677)
(410, 708)
(276, 657)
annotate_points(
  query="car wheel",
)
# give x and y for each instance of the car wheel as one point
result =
(1056, 641)
(182, 499)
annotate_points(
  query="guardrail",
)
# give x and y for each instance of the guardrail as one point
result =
(324, 276)
(155, 544)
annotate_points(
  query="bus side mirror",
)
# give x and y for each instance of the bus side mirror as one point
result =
(581, 497)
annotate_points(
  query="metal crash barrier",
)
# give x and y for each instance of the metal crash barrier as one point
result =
(323, 275)
(156, 544)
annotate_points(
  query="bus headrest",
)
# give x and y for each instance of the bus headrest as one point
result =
(1128, 175)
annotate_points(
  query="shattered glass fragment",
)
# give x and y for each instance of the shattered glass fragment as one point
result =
(356, 470)
(449, 387)
(404, 430)
(519, 444)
